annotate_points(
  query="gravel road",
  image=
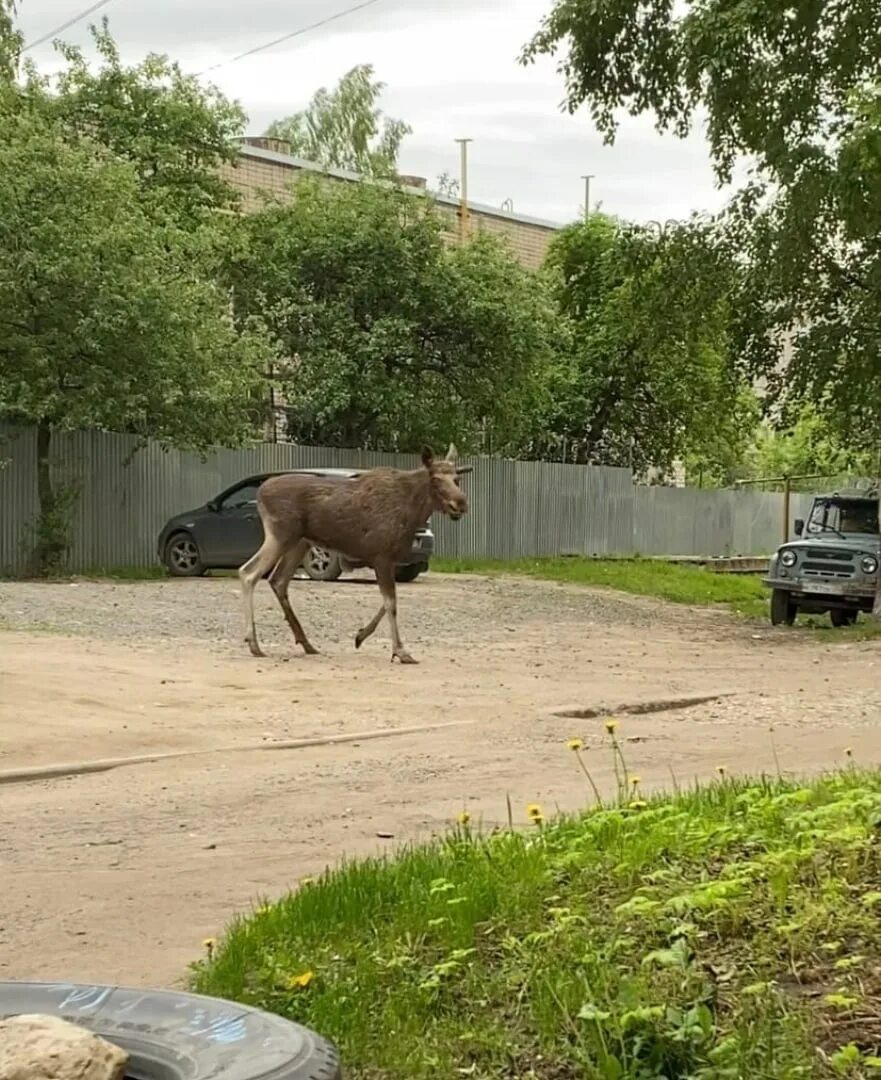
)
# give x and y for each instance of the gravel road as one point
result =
(262, 771)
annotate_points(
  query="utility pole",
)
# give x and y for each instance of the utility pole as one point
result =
(463, 189)
(587, 179)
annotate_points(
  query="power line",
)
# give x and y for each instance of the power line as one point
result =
(292, 34)
(64, 26)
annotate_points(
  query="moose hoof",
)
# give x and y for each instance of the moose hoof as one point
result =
(255, 648)
(359, 640)
(309, 649)
(404, 657)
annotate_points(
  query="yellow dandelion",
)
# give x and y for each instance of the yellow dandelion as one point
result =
(611, 725)
(464, 818)
(208, 945)
(638, 804)
(635, 781)
(301, 981)
(537, 819)
(575, 744)
(533, 810)
(307, 881)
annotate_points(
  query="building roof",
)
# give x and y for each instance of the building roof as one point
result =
(247, 149)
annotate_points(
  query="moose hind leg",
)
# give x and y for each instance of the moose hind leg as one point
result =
(385, 575)
(365, 631)
(249, 574)
(279, 580)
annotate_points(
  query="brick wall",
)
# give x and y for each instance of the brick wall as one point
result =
(261, 170)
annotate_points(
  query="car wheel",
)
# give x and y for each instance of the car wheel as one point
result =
(841, 618)
(409, 572)
(783, 611)
(322, 565)
(182, 556)
(175, 1036)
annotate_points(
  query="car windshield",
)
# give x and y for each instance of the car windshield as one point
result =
(844, 516)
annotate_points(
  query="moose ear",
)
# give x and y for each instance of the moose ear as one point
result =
(427, 457)
(452, 453)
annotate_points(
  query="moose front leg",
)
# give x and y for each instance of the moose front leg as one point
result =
(385, 575)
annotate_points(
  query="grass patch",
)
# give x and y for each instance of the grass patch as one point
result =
(103, 573)
(731, 931)
(124, 573)
(743, 594)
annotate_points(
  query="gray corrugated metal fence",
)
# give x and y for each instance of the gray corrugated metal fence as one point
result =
(518, 508)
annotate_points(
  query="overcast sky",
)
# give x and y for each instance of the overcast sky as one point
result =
(450, 68)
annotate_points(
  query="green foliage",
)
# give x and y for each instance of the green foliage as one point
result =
(794, 89)
(650, 376)
(112, 314)
(10, 44)
(731, 931)
(809, 447)
(343, 128)
(174, 131)
(774, 79)
(724, 453)
(109, 319)
(48, 537)
(395, 338)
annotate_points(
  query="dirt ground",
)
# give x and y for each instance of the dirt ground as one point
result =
(117, 876)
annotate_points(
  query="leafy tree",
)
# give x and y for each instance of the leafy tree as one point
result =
(109, 316)
(10, 43)
(809, 447)
(175, 132)
(447, 185)
(394, 338)
(793, 88)
(650, 376)
(343, 128)
(726, 453)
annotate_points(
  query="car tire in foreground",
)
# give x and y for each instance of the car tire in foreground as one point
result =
(409, 572)
(783, 611)
(176, 1036)
(322, 565)
(182, 556)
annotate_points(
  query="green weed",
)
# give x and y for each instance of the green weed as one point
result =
(728, 931)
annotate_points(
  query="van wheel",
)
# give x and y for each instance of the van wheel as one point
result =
(841, 618)
(783, 611)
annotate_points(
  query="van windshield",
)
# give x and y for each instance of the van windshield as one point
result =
(844, 516)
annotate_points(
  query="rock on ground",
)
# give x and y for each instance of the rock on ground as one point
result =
(48, 1048)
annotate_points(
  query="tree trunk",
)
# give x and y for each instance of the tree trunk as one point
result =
(49, 535)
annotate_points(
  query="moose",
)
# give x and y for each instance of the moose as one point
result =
(371, 518)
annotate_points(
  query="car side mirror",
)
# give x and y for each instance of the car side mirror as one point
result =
(799, 526)
(212, 506)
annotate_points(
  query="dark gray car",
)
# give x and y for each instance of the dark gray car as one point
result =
(226, 531)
